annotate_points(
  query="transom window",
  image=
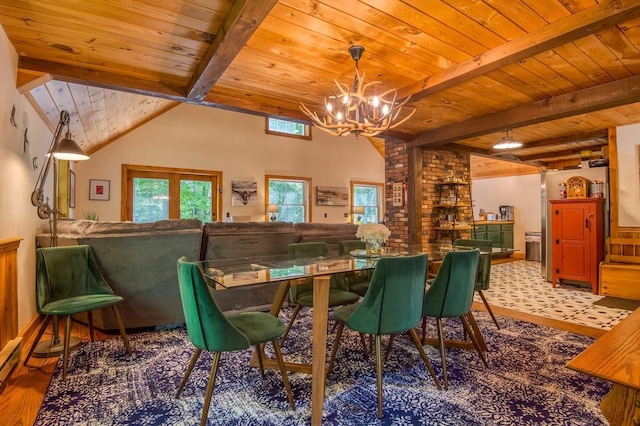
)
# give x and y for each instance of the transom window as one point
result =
(276, 126)
(292, 197)
(156, 193)
(368, 196)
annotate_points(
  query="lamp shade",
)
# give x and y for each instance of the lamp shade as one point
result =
(67, 149)
(507, 142)
(272, 208)
(358, 210)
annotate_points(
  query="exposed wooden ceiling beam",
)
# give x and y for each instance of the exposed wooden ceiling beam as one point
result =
(608, 95)
(242, 21)
(573, 27)
(578, 137)
(464, 149)
(595, 150)
(91, 77)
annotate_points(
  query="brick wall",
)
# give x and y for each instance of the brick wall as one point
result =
(436, 165)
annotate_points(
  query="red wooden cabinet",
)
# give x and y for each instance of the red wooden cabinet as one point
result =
(577, 230)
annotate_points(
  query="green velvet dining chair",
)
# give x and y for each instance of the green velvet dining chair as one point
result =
(69, 282)
(356, 281)
(450, 295)
(392, 305)
(301, 294)
(484, 268)
(209, 329)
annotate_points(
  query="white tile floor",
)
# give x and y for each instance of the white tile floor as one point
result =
(520, 286)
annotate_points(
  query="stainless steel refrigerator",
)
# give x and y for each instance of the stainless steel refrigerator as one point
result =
(550, 190)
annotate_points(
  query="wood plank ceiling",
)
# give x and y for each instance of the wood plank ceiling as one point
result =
(558, 73)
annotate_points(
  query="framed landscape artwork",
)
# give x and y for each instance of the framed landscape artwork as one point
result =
(332, 196)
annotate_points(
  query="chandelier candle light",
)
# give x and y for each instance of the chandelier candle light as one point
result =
(350, 110)
(374, 234)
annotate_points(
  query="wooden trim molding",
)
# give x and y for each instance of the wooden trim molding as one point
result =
(8, 289)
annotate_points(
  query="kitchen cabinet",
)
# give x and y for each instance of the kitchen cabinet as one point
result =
(500, 233)
(577, 240)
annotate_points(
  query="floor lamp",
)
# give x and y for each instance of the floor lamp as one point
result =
(60, 149)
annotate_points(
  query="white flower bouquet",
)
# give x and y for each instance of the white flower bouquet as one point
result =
(374, 234)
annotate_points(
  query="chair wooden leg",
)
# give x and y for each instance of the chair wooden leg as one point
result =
(283, 371)
(211, 384)
(293, 318)
(65, 356)
(378, 346)
(90, 318)
(192, 363)
(424, 328)
(389, 346)
(364, 344)
(47, 320)
(336, 344)
(123, 333)
(443, 355)
(427, 363)
(260, 360)
(474, 339)
(486, 304)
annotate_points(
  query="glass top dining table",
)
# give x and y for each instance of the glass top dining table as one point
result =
(228, 273)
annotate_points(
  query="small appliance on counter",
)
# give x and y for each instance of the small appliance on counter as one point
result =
(492, 216)
(506, 212)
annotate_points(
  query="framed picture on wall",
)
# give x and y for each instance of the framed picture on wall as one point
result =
(98, 189)
(332, 196)
(244, 193)
(72, 189)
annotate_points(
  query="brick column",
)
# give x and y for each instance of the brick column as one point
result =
(414, 222)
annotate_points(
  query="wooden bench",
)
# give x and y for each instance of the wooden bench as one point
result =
(620, 271)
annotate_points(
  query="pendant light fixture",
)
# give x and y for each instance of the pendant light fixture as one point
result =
(507, 142)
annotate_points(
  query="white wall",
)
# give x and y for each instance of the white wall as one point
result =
(190, 136)
(18, 218)
(629, 175)
(522, 192)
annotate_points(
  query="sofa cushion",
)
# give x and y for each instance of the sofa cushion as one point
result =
(330, 233)
(223, 240)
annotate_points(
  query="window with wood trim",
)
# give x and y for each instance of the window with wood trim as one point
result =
(292, 129)
(369, 196)
(292, 195)
(158, 193)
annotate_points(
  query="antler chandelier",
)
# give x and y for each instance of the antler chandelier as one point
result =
(350, 110)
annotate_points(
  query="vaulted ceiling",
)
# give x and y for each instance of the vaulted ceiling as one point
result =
(559, 73)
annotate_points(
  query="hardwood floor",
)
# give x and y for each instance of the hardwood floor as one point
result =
(21, 399)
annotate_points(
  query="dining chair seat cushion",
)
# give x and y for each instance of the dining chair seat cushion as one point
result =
(344, 312)
(359, 287)
(77, 304)
(337, 297)
(258, 327)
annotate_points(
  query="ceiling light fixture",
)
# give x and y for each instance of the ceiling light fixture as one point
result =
(507, 142)
(350, 111)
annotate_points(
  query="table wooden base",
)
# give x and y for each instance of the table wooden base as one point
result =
(319, 345)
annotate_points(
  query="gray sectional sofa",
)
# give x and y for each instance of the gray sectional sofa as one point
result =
(139, 259)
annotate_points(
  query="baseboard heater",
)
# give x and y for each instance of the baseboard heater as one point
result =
(9, 357)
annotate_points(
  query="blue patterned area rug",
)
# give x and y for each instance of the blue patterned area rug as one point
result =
(526, 383)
